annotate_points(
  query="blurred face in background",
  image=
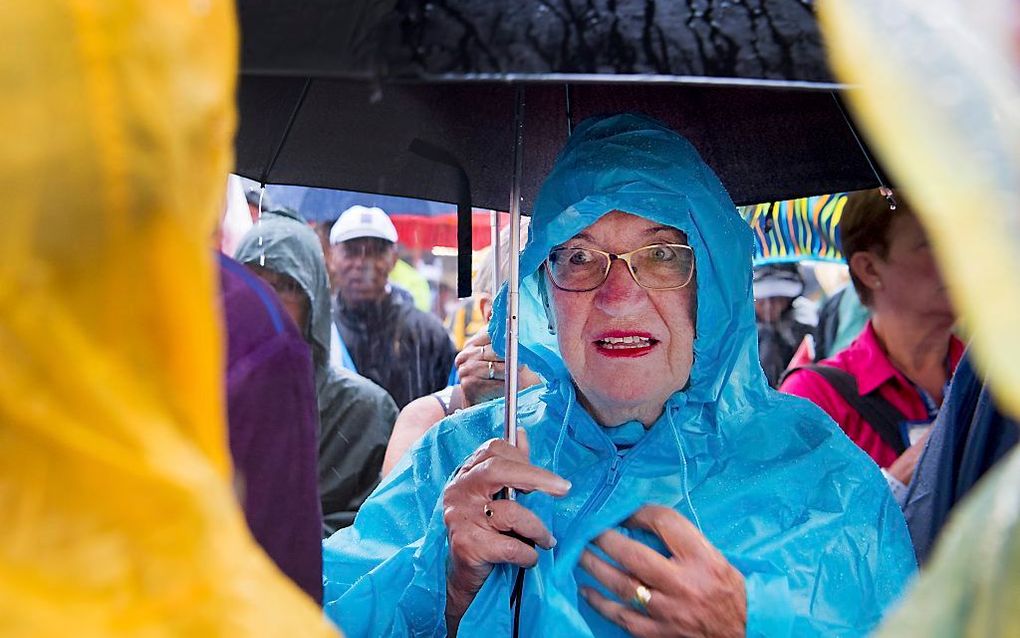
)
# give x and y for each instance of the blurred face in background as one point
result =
(770, 309)
(907, 279)
(291, 295)
(361, 267)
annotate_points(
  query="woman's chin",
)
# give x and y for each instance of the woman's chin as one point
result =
(621, 397)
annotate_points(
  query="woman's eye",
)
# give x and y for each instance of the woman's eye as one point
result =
(580, 257)
(662, 253)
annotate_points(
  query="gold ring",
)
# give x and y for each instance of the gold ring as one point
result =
(492, 371)
(641, 598)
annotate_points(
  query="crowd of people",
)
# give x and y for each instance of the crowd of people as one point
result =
(661, 483)
(630, 371)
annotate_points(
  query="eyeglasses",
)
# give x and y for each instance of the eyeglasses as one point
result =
(655, 267)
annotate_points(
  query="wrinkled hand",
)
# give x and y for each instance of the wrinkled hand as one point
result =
(695, 592)
(475, 522)
(473, 363)
(903, 467)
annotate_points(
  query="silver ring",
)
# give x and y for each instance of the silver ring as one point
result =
(481, 351)
(492, 371)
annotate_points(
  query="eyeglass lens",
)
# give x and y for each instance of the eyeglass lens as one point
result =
(659, 266)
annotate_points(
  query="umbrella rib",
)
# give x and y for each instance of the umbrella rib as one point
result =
(857, 138)
(286, 131)
(570, 112)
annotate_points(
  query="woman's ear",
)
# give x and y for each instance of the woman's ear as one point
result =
(865, 267)
(485, 306)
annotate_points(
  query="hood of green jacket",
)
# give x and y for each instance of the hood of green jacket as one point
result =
(285, 244)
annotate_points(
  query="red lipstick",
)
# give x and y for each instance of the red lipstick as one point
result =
(624, 343)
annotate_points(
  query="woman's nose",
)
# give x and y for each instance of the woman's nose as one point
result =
(620, 291)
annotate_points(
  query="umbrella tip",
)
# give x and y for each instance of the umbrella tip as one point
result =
(889, 196)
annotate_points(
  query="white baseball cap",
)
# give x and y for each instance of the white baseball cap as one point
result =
(361, 221)
(777, 280)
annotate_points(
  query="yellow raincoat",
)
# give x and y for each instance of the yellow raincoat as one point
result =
(939, 97)
(115, 483)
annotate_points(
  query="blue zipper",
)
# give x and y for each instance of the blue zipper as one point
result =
(613, 474)
(602, 494)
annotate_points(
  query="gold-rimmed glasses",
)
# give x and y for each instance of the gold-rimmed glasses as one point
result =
(655, 267)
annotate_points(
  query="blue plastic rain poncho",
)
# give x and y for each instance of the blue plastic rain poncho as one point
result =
(768, 478)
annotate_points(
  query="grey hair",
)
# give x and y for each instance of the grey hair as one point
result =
(482, 283)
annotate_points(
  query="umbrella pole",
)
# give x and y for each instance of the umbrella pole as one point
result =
(262, 250)
(513, 277)
(494, 237)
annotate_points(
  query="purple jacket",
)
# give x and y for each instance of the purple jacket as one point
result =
(273, 426)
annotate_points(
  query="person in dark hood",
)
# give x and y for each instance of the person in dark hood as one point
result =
(391, 342)
(781, 327)
(356, 416)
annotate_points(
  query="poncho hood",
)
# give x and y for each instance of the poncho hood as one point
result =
(634, 164)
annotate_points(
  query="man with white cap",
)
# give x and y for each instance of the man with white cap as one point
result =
(391, 342)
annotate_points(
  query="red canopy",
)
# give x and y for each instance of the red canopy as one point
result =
(425, 232)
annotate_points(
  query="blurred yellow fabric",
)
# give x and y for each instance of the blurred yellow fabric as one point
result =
(115, 487)
(939, 100)
(971, 587)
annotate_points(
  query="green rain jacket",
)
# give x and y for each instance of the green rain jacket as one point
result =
(768, 478)
(355, 415)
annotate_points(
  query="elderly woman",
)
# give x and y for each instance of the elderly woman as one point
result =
(666, 488)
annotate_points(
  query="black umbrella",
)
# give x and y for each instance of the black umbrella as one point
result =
(424, 98)
(765, 143)
(335, 96)
(417, 98)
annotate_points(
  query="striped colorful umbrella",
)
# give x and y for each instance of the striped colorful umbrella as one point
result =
(796, 229)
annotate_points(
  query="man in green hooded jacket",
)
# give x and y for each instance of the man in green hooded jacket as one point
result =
(356, 416)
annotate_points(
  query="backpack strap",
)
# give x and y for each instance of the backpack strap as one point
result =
(828, 325)
(883, 417)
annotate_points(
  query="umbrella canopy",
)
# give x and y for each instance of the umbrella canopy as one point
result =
(326, 204)
(806, 228)
(417, 100)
